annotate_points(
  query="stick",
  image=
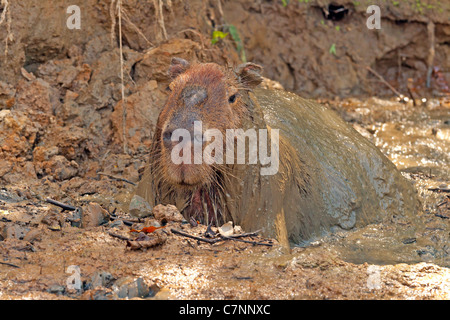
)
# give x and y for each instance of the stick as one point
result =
(9, 264)
(193, 237)
(119, 236)
(127, 222)
(442, 203)
(116, 178)
(127, 19)
(61, 205)
(212, 241)
(439, 189)
(6, 16)
(124, 102)
(249, 234)
(113, 22)
(384, 81)
(161, 19)
(246, 241)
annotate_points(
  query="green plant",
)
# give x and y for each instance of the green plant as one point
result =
(237, 39)
(217, 35)
(333, 49)
(232, 30)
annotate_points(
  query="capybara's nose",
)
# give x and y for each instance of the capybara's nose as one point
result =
(171, 137)
(185, 126)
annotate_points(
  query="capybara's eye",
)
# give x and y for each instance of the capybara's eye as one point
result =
(167, 135)
(232, 98)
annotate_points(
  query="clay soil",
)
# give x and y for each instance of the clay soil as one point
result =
(64, 135)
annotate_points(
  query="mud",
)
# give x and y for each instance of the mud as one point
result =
(61, 114)
(414, 139)
(323, 46)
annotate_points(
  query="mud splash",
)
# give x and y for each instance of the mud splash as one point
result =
(416, 139)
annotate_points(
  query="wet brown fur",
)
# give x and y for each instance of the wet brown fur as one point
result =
(203, 197)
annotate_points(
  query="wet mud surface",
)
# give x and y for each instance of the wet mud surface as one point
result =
(410, 261)
(62, 137)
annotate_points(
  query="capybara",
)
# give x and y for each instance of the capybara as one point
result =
(321, 175)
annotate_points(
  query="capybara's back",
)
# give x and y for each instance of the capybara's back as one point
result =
(330, 177)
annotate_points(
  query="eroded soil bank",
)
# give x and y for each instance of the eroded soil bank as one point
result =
(61, 134)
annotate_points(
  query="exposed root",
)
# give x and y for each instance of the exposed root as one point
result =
(158, 4)
(118, 12)
(112, 13)
(6, 17)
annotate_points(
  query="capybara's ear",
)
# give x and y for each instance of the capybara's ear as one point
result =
(177, 67)
(249, 74)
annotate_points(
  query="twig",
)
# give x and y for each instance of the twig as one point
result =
(158, 4)
(6, 16)
(194, 237)
(222, 238)
(124, 102)
(61, 205)
(439, 189)
(9, 264)
(249, 234)
(127, 19)
(113, 22)
(219, 7)
(384, 81)
(247, 241)
(127, 222)
(116, 178)
(442, 203)
(115, 235)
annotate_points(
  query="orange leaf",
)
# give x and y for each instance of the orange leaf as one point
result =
(147, 229)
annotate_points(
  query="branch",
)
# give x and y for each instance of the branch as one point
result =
(61, 205)
(384, 81)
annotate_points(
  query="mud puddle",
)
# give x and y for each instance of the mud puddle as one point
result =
(417, 140)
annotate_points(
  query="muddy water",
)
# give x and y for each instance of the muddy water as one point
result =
(417, 140)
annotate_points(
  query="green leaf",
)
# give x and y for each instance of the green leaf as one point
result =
(218, 35)
(333, 49)
(237, 39)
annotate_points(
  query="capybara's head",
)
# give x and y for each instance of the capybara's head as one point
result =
(202, 96)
